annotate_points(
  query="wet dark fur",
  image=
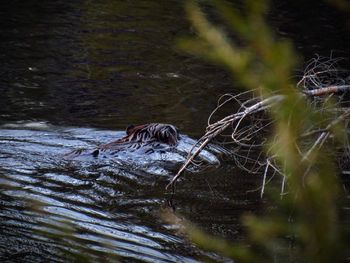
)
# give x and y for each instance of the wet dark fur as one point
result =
(136, 137)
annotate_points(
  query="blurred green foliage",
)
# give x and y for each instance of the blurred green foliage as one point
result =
(304, 226)
(341, 4)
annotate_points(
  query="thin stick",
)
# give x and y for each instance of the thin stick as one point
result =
(325, 135)
(264, 180)
(321, 77)
(226, 122)
(327, 90)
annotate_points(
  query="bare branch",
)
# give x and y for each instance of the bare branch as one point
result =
(250, 124)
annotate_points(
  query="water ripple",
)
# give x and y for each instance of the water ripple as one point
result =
(80, 205)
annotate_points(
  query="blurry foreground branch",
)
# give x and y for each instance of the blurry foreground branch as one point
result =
(321, 81)
(277, 126)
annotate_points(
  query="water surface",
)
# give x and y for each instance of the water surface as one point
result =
(74, 74)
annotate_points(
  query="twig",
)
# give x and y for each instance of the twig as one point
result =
(221, 125)
(325, 134)
(321, 77)
(264, 180)
(327, 90)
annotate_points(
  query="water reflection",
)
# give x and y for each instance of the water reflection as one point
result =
(100, 207)
(31, 170)
(109, 64)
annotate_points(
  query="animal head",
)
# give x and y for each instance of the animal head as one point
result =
(136, 137)
(164, 133)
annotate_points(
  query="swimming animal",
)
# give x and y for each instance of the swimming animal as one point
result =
(147, 137)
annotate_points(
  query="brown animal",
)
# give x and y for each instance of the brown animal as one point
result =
(136, 137)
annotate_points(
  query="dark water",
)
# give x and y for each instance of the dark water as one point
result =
(72, 74)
